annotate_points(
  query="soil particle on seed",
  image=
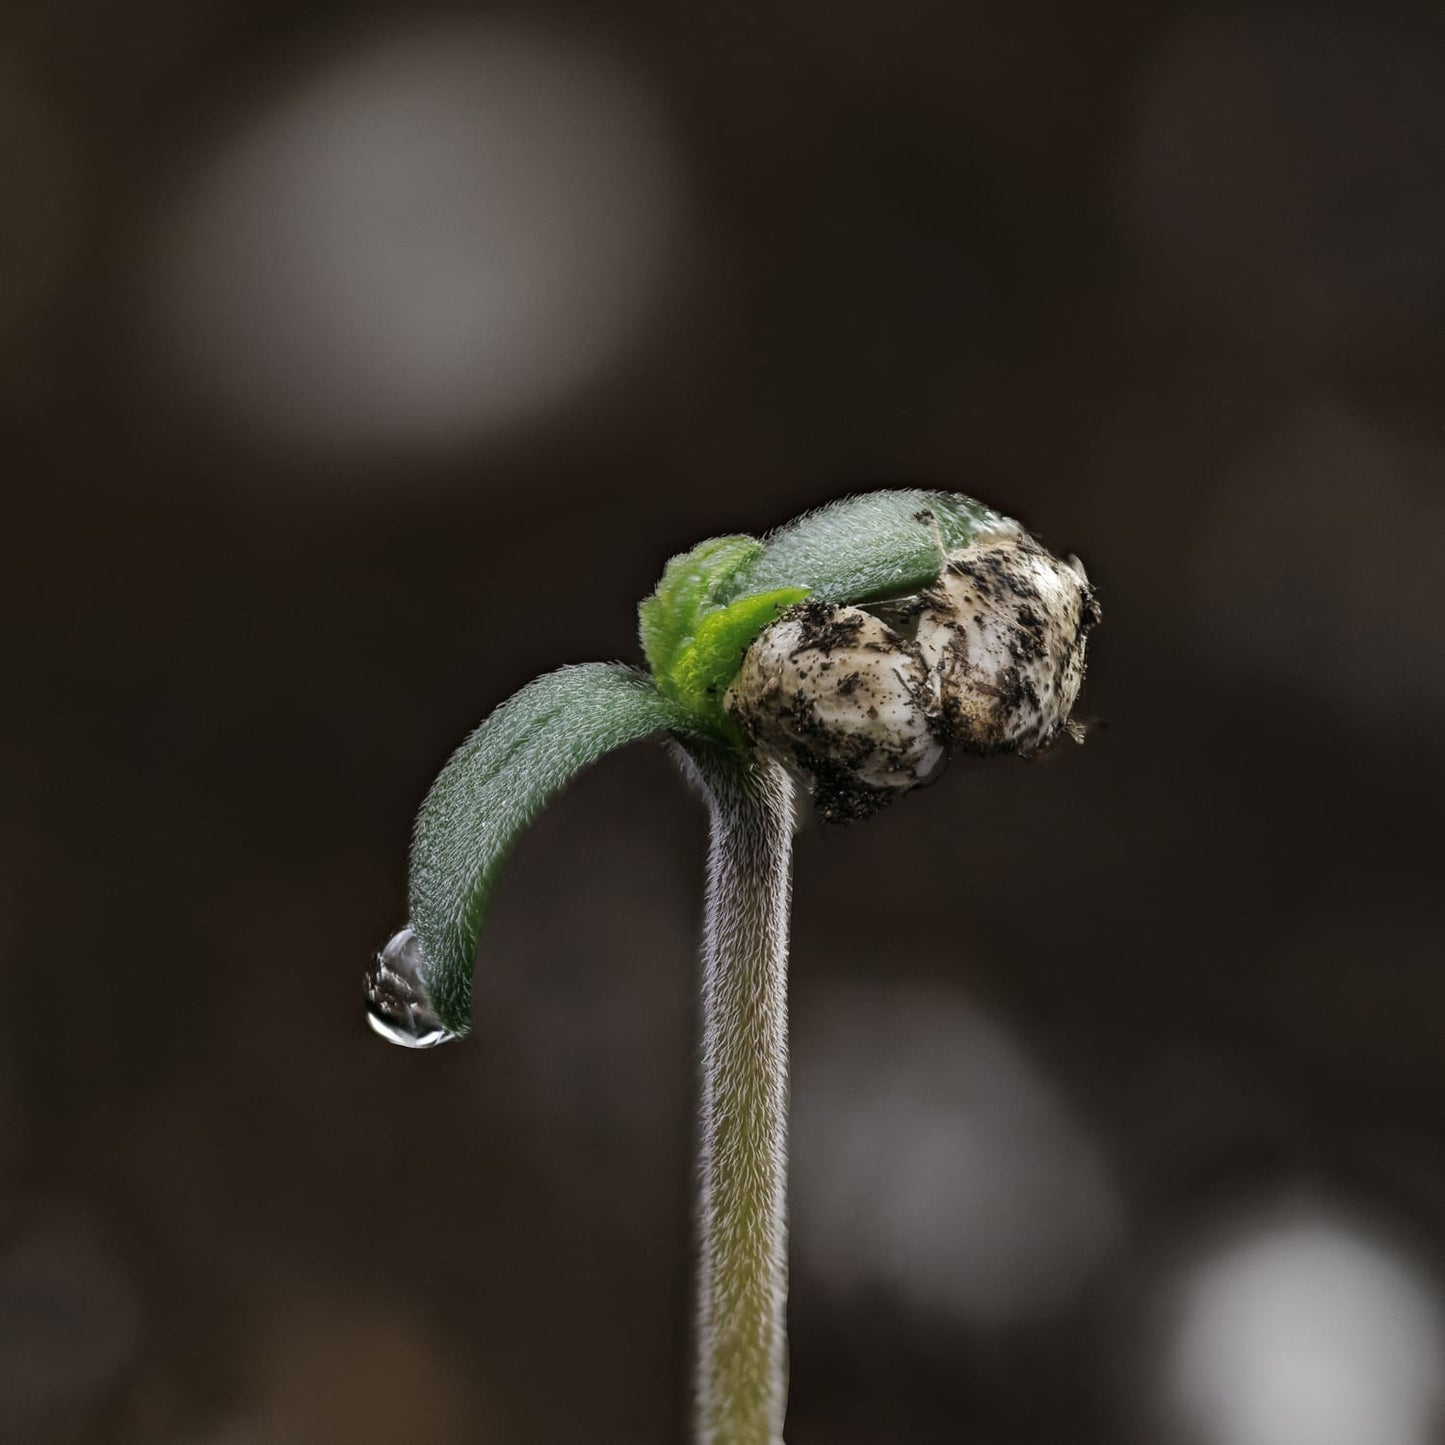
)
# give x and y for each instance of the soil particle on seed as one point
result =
(847, 699)
(867, 702)
(1004, 630)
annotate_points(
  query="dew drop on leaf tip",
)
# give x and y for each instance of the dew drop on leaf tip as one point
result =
(398, 1004)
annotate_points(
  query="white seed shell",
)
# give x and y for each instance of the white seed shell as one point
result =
(847, 700)
(1003, 633)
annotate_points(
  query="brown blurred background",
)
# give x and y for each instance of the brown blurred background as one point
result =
(358, 362)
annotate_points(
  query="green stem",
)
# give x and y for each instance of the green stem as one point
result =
(743, 1270)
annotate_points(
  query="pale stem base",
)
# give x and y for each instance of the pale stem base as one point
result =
(743, 1270)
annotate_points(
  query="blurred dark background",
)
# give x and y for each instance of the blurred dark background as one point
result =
(359, 362)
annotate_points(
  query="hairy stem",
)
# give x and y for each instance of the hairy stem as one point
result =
(743, 1270)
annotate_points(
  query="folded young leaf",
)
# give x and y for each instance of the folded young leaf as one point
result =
(493, 787)
(668, 619)
(702, 670)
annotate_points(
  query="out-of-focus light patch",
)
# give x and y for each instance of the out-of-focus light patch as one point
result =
(39, 183)
(430, 238)
(932, 1160)
(1282, 177)
(1308, 1331)
(349, 1370)
(70, 1320)
(1322, 568)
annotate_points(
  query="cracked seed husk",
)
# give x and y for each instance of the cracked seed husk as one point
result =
(990, 659)
(1003, 632)
(847, 700)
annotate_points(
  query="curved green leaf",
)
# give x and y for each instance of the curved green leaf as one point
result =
(493, 787)
(861, 549)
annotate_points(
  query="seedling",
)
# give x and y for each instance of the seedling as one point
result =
(853, 650)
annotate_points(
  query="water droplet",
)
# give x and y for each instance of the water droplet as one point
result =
(398, 1003)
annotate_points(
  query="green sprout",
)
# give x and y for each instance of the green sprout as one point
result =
(854, 649)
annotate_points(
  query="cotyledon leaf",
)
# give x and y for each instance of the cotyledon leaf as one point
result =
(864, 548)
(494, 786)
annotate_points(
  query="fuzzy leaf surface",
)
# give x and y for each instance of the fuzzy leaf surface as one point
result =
(861, 549)
(702, 672)
(495, 785)
(668, 619)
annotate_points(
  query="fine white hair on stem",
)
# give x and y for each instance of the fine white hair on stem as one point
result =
(742, 1282)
